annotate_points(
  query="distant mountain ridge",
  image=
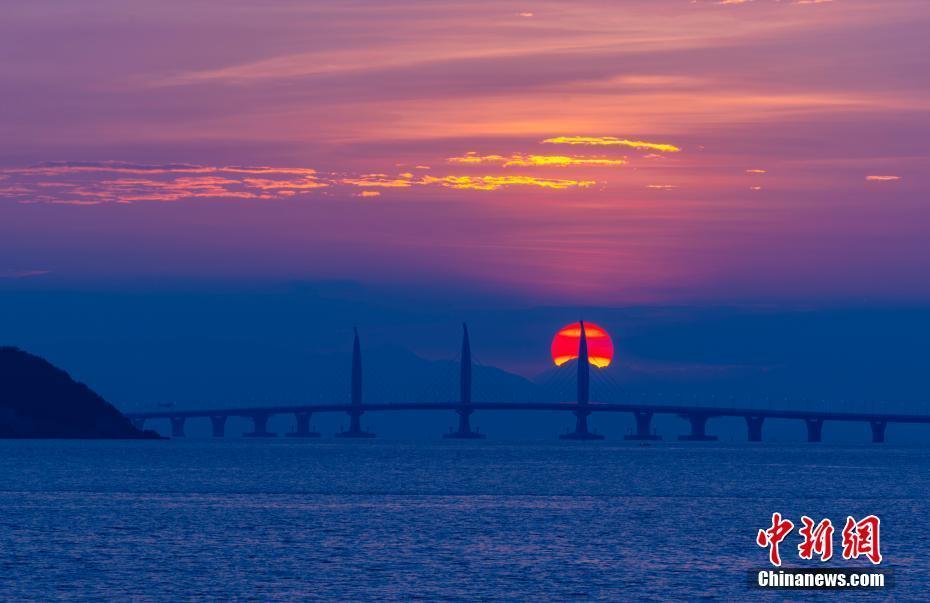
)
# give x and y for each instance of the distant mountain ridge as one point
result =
(38, 400)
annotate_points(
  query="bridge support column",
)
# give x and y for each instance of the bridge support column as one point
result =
(177, 427)
(814, 429)
(878, 430)
(260, 430)
(698, 429)
(303, 426)
(464, 431)
(355, 427)
(139, 423)
(219, 425)
(581, 428)
(643, 427)
(754, 424)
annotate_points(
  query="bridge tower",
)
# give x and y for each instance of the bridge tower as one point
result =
(464, 410)
(584, 380)
(355, 407)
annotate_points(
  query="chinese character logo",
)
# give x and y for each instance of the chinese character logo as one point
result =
(817, 540)
(860, 538)
(773, 536)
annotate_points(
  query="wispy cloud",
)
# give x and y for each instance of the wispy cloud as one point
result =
(95, 183)
(490, 183)
(612, 141)
(882, 178)
(378, 181)
(18, 274)
(534, 160)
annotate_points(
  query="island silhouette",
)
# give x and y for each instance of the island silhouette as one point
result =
(39, 400)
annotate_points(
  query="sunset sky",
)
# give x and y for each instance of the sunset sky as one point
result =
(568, 152)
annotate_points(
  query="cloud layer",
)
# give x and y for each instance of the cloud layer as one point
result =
(607, 151)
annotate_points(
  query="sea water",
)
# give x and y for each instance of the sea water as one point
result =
(447, 520)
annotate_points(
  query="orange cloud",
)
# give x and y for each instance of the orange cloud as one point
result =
(756, 171)
(266, 184)
(612, 141)
(882, 178)
(377, 180)
(368, 194)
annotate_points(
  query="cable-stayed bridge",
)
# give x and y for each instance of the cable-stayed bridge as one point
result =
(582, 408)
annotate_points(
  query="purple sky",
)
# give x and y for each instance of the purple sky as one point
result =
(585, 152)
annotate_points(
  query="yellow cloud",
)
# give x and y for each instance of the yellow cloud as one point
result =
(612, 141)
(369, 194)
(529, 160)
(756, 171)
(664, 187)
(882, 178)
(490, 183)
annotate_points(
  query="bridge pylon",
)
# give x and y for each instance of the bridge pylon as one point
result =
(355, 411)
(464, 410)
(584, 379)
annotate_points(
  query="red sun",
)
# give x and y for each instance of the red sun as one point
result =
(566, 342)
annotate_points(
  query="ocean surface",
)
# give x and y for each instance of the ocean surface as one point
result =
(284, 520)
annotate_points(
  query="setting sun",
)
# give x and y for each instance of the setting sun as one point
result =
(566, 341)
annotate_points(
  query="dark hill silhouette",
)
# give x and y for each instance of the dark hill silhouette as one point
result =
(38, 400)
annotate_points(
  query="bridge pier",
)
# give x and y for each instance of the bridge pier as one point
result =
(177, 427)
(698, 429)
(754, 424)
(355, 426)
(219, 425)
(139, 423)
(303, 426)
(878, 430)
(260, 429)
(643, 427)
(581, 428)
(814, 429)
(464, 431)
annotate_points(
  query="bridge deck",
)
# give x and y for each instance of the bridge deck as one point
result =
(538, 406)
